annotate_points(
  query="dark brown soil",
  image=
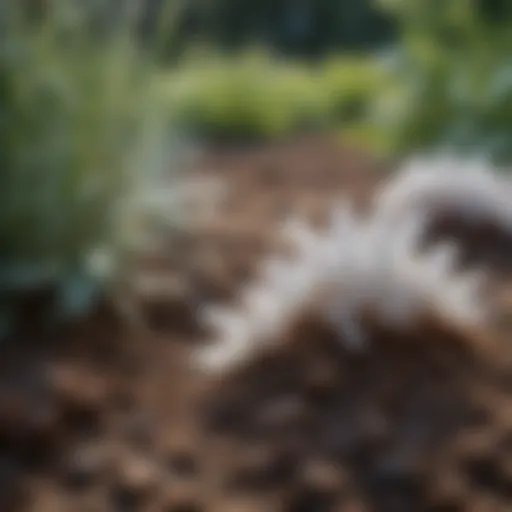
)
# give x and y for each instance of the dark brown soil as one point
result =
(100, 417)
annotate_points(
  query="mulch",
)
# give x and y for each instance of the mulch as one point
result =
(97, 416)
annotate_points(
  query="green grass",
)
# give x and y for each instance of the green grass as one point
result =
(82, 129)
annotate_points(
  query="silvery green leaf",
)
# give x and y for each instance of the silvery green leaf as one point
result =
(76, 295)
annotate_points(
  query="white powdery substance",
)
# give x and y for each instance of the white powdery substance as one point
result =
(470, 189)
(355, 264)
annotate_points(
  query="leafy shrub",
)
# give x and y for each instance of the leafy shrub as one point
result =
(254, 96)
(73, 110)
(350, 82)
(452, 80)
(245, 98)
(297, 28)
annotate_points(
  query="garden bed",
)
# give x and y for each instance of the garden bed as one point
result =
(99, 417)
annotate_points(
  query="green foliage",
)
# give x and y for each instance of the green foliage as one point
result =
(452, 79)
(299, 28)
(73, 109)
(254, 96)
(244, 98)
(349, 82)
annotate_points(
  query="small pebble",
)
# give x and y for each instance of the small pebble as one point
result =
(323, 475)
(136, 479)
(183, 464)
(86, 464)
(78, 391)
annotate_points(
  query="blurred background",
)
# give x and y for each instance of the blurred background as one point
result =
(108, 111)
(85, 85)
(100, 98)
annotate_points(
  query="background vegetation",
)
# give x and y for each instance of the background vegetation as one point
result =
(419, 73)
(77, 106)
(445, 79)
(89, 92)
(253, 95)
(453, 77)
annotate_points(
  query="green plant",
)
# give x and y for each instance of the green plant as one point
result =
(452, 80)
(349, 83)
(75, 105)
(244, 97)
(256, 96)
